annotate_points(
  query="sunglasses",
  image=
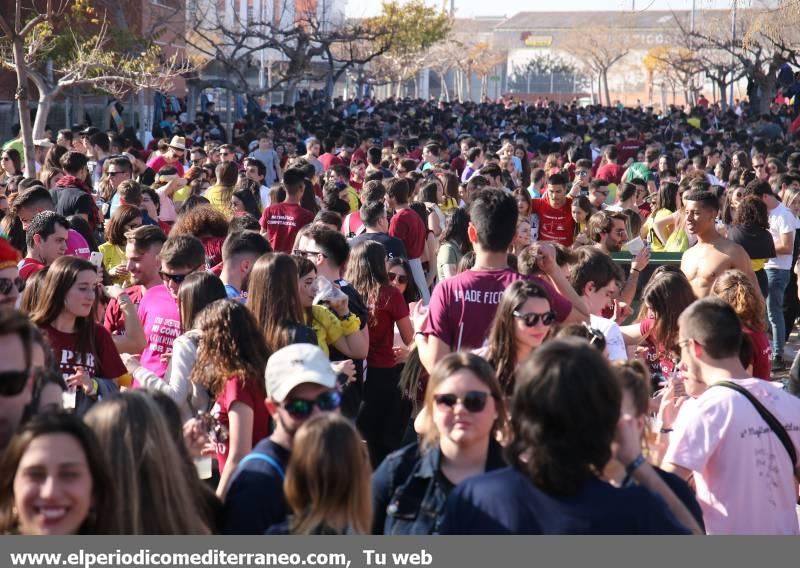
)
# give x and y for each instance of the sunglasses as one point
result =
(116, 173)
(308, 253)
(399, 278)
(472, 401)
(7, 284)
(12, 382)
(301, 408)
(177, 278)
(532, 319)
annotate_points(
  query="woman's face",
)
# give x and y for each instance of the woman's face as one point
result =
(532, 336)
(308, 288)
(149, 206)
(736, 198)
(735, 161)
(134, 224)
(794, 206)
(457, 424)
(523, 207)
(52, 486)
(523, 236)
(398, 277)
(719, 171)
(578, 214)
(237, 205)
(81, 295)
(519, 153)
(8, 164)
(662, 163)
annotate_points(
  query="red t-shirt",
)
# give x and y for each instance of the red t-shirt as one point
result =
(114, 320)
(463, 307)
(391, 307)
(658, 359)
(628, 149)
(249, 393)
(554, 224)
(28, 266)
(458, 164)
(328, 160)
(282, 222)
(104, 363)
(407, 226)
(612, 173)
(762, 353)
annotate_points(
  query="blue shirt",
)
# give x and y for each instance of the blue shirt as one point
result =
(506, 502)
(234, 294)
(255, 499)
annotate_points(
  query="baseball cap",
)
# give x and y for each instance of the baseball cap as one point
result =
(295, 365)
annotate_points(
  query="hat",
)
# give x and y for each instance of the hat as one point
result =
(43, 143)
(89, 131)
(295, 365)
(178, 142)
(8, 255)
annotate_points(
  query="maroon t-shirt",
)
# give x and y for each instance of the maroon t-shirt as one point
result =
(114, 320)
(328, 160)
(555, 225)
(391, 307)
(28, 267)
(282, 222)
(407, 226)
(612, 173)
(762, 353)
(463, 307)
(249, 393)
(104, 363)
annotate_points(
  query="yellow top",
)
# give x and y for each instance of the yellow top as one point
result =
(352, 199)
(329, 328)
(113, 256)
(182, 194)
(448, 205)
(214, 194)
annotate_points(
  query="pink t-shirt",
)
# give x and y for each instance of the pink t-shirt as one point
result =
(744, 479)
(462, 308)
(159, 162)
(167, 209)
(158, 312)
(77, 245)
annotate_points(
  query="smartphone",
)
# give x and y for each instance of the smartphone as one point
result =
(677, 381)
(96, 258)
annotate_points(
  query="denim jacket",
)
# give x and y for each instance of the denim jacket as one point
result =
(408, 493)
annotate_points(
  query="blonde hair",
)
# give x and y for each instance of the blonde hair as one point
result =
(146, 468)
(327, 483)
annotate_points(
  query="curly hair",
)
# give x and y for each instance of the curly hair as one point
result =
(735, 288)
(201, 221)
(558, 447)
(230, 346)
(751, 211)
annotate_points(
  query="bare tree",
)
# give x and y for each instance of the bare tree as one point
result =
(599, 48)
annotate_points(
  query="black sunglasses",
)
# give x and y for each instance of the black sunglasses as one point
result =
(473, 401)
(177, 278)
(6, 284)
(400, 278)
(302, 408)
(307, 253)
(532, 319)
(12, 382)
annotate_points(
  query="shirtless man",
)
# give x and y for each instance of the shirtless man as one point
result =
(713, 254)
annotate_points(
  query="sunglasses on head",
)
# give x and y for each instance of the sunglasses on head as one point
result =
(6, 284)
(532, 319)
(473, 401)
(399, 278)
(302, 408)
(12, 382)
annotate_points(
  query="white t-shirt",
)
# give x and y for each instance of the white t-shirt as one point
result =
(615, 344)
(265, 200)
(781, 221)
(745, 484)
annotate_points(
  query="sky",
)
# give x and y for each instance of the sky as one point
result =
(473, 8)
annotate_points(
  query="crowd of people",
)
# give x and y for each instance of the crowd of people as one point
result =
(404, 317)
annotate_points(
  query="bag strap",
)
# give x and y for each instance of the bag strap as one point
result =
(265, 458)
(768, 417)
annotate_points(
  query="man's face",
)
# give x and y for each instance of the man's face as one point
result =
(464, 149)
(583, 175)
(305, 391)
(617, 236)
(117, 174)
(252, 173)
(698, 218)
(599, 299)
(690, 368)
(26, 214)
(54, 246)
(264, 144)
(557, 194)
(226, 155)
(314, 149)
(173, 277)
(143, 265)
(12, 361)
(197, 158)
(61, 141)
(712, 159)
(311, 250)
(760, 168)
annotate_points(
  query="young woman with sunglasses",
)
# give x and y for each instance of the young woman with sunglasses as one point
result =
(54, 480)
(521, 324)
(86, 353)
(231, 357)
(463, 413)
(10, 165)
(384, 417)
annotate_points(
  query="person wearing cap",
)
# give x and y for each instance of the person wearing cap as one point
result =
(10, 283)
(300, 384)
(173, 156)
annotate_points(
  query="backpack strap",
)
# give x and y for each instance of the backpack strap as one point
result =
(265, 458)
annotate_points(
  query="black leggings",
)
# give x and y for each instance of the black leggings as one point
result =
(384, 414)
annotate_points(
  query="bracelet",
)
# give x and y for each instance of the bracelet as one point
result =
(634, 465)
(95, 388)
(636, 270)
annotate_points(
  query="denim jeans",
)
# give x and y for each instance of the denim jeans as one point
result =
(778, 281)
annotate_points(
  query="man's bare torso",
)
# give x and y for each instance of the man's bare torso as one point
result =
(705, 262)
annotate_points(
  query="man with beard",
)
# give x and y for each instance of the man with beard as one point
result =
(239, 252)
(607, 230)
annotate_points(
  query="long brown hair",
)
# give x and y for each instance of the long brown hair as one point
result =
(199, 290)
(274, 298)
(61, 276)
(230, 346)
(735, 288)
(502, 353)
(327, 482)
(667, 295)
(145, 466)
(116, 227)
(366, 272)
(104, 503)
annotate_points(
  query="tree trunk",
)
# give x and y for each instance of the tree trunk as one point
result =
(650, 86)
(42, 112)
(769, 89)
(445, 92)
(18, 47)
(723, 97)
(604, 74)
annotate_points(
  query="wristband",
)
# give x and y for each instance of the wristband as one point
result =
(636, 270)
(95, 389)
(634, 465)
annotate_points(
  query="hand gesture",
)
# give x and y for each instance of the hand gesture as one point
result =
(641, 260)
(670, 406)
(346, 367)
(131, 362)
(622, 311)
(419, 315)
(120, 270)
(80, 380)
(546, 257)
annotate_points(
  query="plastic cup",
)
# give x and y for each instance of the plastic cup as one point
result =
(203, 467)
